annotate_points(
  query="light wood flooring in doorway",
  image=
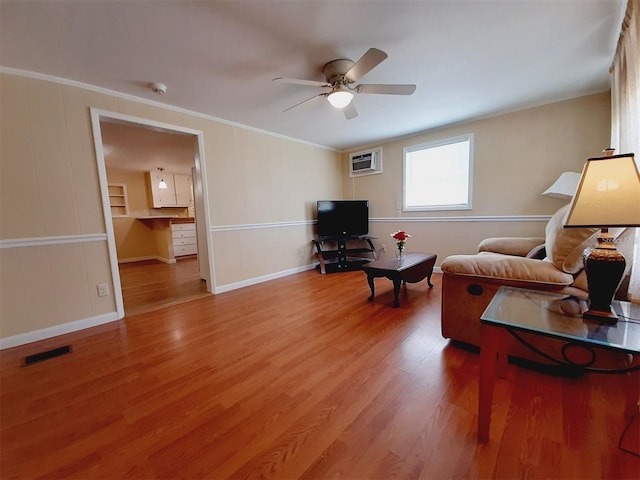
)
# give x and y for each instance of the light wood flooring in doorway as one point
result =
(151, 284)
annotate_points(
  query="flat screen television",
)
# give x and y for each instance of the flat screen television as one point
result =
(343, 218)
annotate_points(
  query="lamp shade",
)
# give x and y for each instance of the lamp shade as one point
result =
(608, 194)
(564, 187)
(340, 96)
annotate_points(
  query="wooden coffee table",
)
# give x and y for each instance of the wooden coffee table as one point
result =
(414, 268)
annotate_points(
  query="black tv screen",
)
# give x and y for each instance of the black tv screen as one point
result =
(343, 218)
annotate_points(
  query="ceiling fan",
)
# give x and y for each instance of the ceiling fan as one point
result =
(340, 76)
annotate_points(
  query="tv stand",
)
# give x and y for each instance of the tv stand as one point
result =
(336, 254)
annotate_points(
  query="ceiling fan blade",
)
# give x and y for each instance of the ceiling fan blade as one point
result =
(297, 81)
(386, 89)
(350, 111)
(365, 64)
(311, 98)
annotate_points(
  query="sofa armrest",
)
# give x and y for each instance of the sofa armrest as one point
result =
(518, 246)
(507, 267)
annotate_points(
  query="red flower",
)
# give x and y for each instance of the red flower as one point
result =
(400, 235)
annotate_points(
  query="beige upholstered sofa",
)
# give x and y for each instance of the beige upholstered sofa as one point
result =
(552, 263)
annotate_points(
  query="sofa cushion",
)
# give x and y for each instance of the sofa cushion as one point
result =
(520, 246)
(564, 246)
(508, 267)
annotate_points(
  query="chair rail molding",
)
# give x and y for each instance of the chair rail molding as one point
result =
(466, 218)
(56, 240)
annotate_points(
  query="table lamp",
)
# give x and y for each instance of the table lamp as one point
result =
(608, 196)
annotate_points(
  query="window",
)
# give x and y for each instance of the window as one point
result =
(439, 175)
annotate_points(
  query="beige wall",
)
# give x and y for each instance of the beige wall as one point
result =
(516, 157)
(262, 192)
(54, 252)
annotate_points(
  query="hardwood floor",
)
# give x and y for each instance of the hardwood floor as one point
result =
(299, 377)
(151, 284)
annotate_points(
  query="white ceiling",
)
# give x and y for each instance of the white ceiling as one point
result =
(468, 58)
(133, 147)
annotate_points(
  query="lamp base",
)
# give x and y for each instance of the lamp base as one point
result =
(604, 266)
(606, 316)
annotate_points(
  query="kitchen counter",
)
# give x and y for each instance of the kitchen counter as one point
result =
(168, 219)
(156, 217)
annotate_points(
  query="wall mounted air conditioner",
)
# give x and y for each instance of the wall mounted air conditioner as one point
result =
(367, 162)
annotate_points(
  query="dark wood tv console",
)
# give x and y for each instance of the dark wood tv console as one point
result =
(342, 254)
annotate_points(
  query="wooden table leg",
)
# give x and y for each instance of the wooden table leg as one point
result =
(397, 282)
(489, 337)
(502, 357)
(371, 286)
(632, 389)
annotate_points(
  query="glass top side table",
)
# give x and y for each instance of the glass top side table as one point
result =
(560, 316)
(514, 310)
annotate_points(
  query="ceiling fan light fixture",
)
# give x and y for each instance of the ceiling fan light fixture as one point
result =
(340, 97)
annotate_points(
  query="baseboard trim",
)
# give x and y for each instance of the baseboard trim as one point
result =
(143, 259)
(44, 333)
(264, 278)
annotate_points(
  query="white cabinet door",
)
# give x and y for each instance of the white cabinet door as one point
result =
(179, 191)
(164, 197)
(183, 188)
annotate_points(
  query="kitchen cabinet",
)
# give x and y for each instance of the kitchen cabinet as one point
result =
(184, 189)
(184, 239)
(179, 191)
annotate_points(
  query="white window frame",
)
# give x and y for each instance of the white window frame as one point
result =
(439, 143)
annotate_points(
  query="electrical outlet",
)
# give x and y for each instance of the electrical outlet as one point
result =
(103, 290)
(383, 248)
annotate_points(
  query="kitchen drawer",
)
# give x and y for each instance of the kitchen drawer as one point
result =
(185, 250)
(176, 227)
(183, 233)
(184, 241)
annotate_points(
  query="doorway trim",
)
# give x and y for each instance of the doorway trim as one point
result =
(98, 115)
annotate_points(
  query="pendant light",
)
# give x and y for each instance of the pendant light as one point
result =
(162, 185)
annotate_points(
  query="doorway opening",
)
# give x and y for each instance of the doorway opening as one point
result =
(151, 284)
(157, 234)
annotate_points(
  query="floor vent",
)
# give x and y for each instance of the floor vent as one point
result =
(42, 356)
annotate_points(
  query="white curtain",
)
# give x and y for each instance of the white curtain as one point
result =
(625, 109)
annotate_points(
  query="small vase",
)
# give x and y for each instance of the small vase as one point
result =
(399, 254)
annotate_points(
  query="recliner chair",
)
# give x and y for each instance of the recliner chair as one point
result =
(553, 263)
